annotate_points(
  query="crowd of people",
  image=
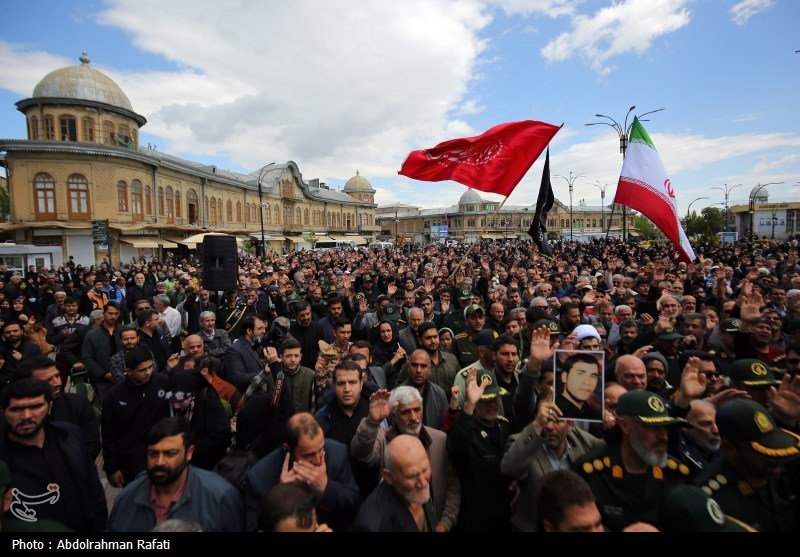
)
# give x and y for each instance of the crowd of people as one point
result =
(470, 387)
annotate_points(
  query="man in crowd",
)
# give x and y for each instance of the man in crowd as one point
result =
(242, 363)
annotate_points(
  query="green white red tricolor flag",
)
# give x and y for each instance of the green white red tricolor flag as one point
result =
(645, 186)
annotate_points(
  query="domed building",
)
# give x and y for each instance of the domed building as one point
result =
(82, 162)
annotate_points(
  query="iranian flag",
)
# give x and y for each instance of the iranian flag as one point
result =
(645, 186)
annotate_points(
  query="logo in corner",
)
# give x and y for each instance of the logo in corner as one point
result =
(22, 504)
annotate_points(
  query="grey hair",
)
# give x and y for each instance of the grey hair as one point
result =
(163, 298)
(207, 314)
(404, 395)
(622, 307)
(96, 314)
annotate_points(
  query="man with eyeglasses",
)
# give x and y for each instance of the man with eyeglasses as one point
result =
(130, 410)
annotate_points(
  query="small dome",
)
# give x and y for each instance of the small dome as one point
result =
(760, 191)
(470, 197)
(357, 183)
(82, 83)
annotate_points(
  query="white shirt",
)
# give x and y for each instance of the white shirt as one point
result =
(172, 318)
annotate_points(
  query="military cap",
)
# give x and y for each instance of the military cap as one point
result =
(473, 309)
(332, 289)
(646, 408)
(486, 337)
(747, 421)
(751, 372)
(670, 333)
(464, 294)
(492, 390)
(293, 299)
(553, 326)
(729, 325)
(390, 312)
(687, 508)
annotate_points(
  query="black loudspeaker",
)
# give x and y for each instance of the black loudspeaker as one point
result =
(220, 263)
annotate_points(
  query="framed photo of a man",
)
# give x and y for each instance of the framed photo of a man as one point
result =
(579, 383)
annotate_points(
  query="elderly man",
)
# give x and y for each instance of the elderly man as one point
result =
(433, 396)
(631, 372)
(215, 341)
(630, 479)
(404, 405)
(402, 502)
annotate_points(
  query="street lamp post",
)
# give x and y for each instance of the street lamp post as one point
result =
(623, 132)
(752, 206)
(396, 222)
(261, 205)
(571, 181)
(726, 190)
(602, 189)
(689, 209)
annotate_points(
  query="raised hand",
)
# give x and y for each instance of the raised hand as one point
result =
(541, 351)
(379, 407)
(693, 383)
(785, 400)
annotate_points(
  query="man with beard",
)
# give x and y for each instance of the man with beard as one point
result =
(444, 366)
(402, 502)
(195, 304)
(67, 407)
(545, 445)
(308, 332)
(139, 290)
(404, 404)
(174, 489)
(132, 408)
(753, 481)
(699, 444)
(631, 478)
(13, 350)
(341, 416)
(433, 396)
(52, 472)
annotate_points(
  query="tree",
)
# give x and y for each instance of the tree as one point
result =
(646, 228)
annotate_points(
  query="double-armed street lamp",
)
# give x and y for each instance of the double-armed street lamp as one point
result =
(689, 209)
(623, 131)
(571, 182)
(262, 205)
(602, 188)
(726, 190)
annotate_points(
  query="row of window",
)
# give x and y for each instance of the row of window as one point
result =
(137, 199)
(68, 130)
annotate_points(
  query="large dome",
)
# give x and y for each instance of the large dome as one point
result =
(358, 183)
(470, 196)
(82, 83)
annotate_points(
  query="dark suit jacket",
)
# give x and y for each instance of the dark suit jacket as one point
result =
(241, 364)
(340, 500)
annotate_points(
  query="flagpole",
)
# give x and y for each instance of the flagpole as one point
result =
(480, 235)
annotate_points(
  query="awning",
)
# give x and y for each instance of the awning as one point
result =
(323, 239)
(172, 239)
(167, 244)
(296, 239)
(140, 242)
(358, 240)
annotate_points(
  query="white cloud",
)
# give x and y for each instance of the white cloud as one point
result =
(552, 8)
(629, 26)
(746, 9)
(23, 69)
(345, 89)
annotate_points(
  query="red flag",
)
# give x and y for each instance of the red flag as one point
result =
(494, 161)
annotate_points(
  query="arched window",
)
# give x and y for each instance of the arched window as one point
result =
(370, 219)
(69, 127)
(33, 133)
(277, 214)
(137, 201)
(238, 211)
(229, 210)
(219, 211)
(161, 201)
(192, 208)
(148, 200)
(168, 202)
(305, 217)
(298, 217)
(49, 127)
(178, 203)
(87, 125)
(44, 189)
(122, 197)
(108, 132)
(267, 216)
(364, 219)
(213, 214)
(78, 197)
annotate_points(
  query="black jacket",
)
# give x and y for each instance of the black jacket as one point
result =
(384, 511)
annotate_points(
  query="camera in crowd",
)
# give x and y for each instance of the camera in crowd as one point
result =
(274, 336)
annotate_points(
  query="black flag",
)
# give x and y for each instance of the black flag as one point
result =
(538, 229)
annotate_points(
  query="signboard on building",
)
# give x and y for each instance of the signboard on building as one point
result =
(100, 235)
